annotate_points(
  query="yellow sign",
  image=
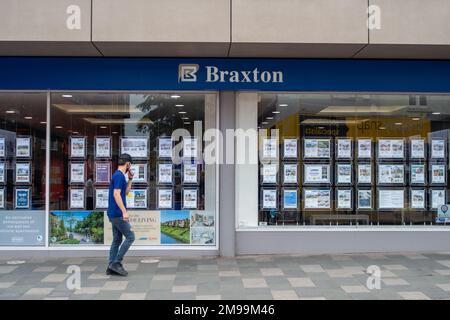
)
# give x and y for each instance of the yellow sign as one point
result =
(387, 127)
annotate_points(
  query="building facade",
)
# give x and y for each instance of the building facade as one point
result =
(297, 126)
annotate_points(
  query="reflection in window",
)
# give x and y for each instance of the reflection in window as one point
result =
(88, 133)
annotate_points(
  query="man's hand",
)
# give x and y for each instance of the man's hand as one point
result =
(125, 216)
(130, 174)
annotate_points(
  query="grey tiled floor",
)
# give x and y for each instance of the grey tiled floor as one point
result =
(403, 276)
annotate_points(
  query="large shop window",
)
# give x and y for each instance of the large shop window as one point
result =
(353, 159)
(171, 202)
(23, 124)
(22, 152)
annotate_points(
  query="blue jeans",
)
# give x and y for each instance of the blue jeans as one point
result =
(118, 249)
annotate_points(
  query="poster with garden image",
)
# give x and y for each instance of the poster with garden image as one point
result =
(76, 228)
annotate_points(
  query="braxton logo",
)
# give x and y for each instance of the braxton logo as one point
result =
(188, 73)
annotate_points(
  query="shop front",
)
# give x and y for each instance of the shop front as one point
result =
(61, 148)
(338, 155)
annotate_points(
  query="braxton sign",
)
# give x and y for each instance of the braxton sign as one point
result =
(188, 73)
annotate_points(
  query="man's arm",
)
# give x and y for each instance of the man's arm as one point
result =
(120, 204)
(128, 187)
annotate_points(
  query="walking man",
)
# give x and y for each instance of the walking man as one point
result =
(118, 215)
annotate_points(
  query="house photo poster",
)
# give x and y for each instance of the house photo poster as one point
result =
(102, 172)
(190, 173)
(136, 147)
(101, 198)
(137, 199)
(165, 198)
(190, 147)
(102, 147)
(317, 199)
(344, 198)
(391, 148)
(23, 172)
(290, 148)
(190, 198)
(364, 147)
(269, 199)
(77, 147)
(269, 148)
(269, 173)
(23, 147)
(317, 148)
(317, 173)
(290, 199)
(417, 149)
(344, 148)
(77, 172)
(165, 146)
(22, 198)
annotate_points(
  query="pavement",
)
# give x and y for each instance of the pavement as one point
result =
(262, 277)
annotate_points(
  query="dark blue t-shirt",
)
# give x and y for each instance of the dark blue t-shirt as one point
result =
(118, 181)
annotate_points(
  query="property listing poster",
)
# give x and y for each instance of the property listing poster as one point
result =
(169, 227)
(203, 228)
(145, 224)
(76, 227)
(22, 228)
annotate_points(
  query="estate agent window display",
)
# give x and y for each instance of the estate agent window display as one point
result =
(22, 151)
(356, 171)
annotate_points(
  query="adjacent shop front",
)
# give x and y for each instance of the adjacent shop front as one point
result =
(351, 155)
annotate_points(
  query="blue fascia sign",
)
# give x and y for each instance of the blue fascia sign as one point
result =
(307, 75)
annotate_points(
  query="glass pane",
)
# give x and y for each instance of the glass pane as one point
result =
(22, 150)
(387, 155)
(90, 130)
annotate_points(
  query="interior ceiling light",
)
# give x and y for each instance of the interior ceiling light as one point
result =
(118, 121)
(360, 109)
(330, 122)
(99, 108)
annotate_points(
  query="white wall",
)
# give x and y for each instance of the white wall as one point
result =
(226, 28)
(298, 27)
(40, 28)
(162, 27)
(410, 29)
(246, 180)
